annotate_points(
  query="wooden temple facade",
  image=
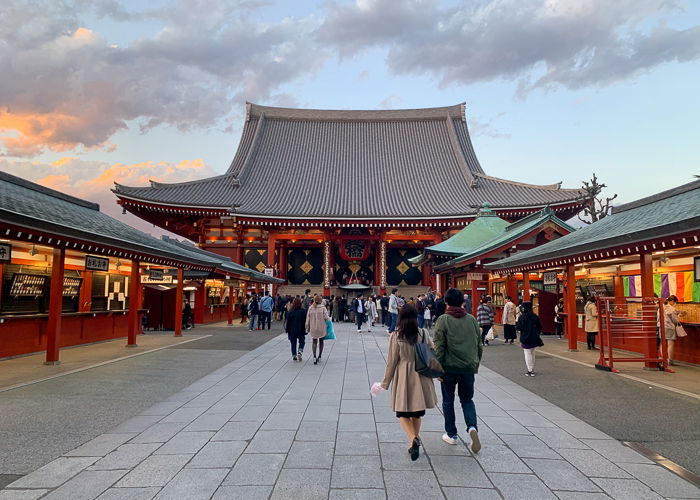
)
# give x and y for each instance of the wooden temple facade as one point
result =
(331, 197)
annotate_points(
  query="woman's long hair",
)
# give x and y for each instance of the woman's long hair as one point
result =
(296, 303)
(407, 324)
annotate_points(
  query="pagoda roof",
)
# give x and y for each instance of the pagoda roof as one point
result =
(511, 233)
(351, 164)
(34, 209)
(663, 216)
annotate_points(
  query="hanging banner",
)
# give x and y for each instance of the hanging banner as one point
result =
(155, 274)
(93, 263)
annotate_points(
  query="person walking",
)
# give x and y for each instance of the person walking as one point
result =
(358, 305)
(440, 306)
(420, 309)
(484, 316)
(411, 393)
(296, 329)
(509, 309)
(393, 309)
(384, 303)
(458, 347)
(530, 329)
(186, 315)
(371, 308)
(253, 310)
(266, 305)
(591, 323)
(244, 309)
(559, 318)
(316, 318)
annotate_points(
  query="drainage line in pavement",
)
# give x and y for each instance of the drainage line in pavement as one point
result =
(664, 462)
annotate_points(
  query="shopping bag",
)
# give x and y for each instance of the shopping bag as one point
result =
(330, 335)
(490, 334)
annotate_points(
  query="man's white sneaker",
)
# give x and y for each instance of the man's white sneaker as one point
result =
(450, 440)
(476, 444)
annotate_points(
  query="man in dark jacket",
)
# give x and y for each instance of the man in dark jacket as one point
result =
(358, 305)
(458, 348)
(440, 306)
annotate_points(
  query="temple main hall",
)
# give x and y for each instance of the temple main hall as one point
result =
(342, 198)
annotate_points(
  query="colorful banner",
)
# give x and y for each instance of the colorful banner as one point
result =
(680, 284)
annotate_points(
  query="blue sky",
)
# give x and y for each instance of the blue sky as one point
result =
(555, 89)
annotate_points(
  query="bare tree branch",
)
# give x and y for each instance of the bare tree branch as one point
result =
(594, 207)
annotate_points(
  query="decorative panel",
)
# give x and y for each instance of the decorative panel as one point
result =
(256, 258)
(305, 266)
(364, 269)
(399, 270)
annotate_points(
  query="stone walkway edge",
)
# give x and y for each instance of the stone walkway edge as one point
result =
(265, 427)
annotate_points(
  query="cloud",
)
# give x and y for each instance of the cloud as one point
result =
(539, 43)
(390, 102)
(92, 180)
(66, 87)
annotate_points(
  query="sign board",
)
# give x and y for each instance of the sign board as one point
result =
(93, 263)
(230, 282)
(5, 252)
(269, 271)
(475, 276)
(550, 278)
(156, 274)
(162, 280)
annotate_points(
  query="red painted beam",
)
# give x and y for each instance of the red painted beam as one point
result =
(53, 327)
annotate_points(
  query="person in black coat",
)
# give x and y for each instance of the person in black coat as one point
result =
(530, 328)
(358, 306)
(296, 328)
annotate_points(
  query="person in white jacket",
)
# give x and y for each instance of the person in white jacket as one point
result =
(371, 311)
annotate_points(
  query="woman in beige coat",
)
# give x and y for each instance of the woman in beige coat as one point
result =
(316, 318)
(411, 393)
(591, 323)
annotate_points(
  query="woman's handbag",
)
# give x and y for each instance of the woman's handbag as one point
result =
(330, 335)
(427, 363)
(490, 334)
(680, 331)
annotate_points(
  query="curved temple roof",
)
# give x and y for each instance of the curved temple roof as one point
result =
(349, 164)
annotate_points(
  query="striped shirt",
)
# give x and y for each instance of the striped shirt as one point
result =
(484, 315)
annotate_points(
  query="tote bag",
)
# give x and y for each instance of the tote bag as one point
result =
(427, 363)
(330, 335)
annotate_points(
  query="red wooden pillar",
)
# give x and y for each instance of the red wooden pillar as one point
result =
(200, 303)
(53, 327)
(425, 279)
(283, 262)
(647, 271)
(1, 275)
(230, 305)
(475, 298)
(270, 250)
(134, 280)
(512, 288)
(178, 302)
(327, 265)
(238, 259)
(571, 327)
(85, 299)
(526, 286)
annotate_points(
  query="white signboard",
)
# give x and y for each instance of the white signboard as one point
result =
(269, 271)
(162, 280)
(550, 278)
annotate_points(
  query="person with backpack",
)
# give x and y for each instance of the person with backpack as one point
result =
(484, 316)
(253, 310)
(458, 348)
(411, 393)
(530, 328)
(266, 305)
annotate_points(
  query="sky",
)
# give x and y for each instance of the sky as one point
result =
(101, 91)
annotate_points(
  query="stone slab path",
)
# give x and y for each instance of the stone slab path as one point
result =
(264, 427)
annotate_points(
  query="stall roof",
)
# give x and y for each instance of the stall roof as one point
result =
(511, 233)
(45, 216)
(671, 213)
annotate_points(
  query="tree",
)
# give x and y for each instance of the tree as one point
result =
(594, 208)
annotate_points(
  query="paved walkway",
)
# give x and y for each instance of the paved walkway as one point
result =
(264, 427)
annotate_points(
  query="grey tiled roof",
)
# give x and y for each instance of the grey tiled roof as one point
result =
(666, 214)
(353, 164)
(28, 205)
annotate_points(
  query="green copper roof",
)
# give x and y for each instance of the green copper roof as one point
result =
(666, 214)
(486, 226)
(511, 233)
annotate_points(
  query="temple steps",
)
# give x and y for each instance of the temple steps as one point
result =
(294, 290)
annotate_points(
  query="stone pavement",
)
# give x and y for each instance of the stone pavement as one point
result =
(264, 427)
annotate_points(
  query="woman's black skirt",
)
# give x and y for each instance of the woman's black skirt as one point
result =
(509, 332)
(410, 414)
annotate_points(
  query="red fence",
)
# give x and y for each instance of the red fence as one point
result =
(634, 324)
